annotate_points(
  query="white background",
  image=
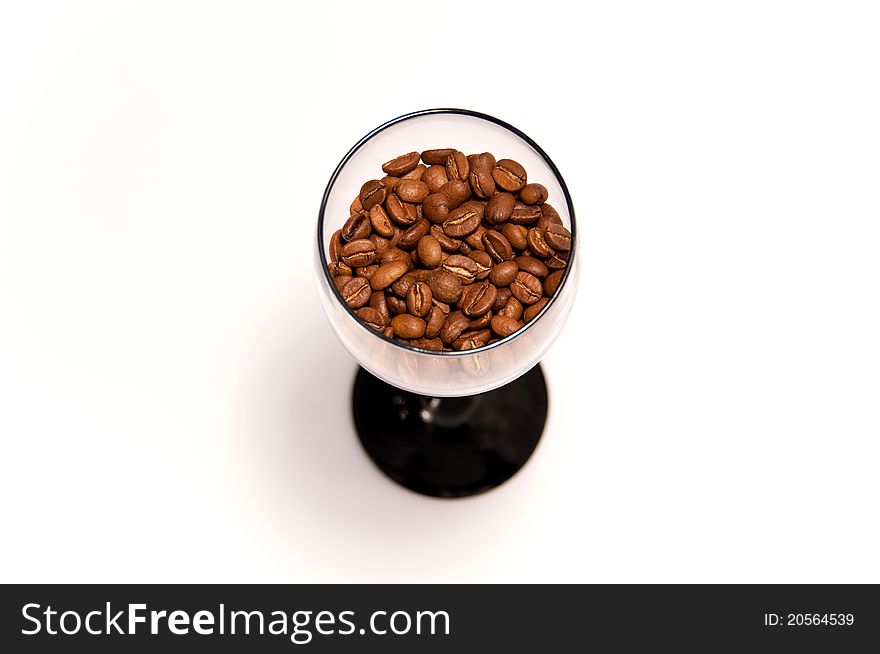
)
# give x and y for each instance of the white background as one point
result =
(173, 406)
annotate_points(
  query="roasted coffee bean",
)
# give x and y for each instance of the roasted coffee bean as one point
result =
(456, 192)
(484, 261)
(396, 305)
(532, 265)
(413, 212)
(340, 282)
(461, 222)
(435, 177)
(412, 236)
(526, 288)
(418, 299)
(558, 261)
(397, 211)
(454, 326)
(357, 292)
(548, 216)
(538, 245)
(436, 207)
(479, 298)
(366, 271)
(474, 240)
(558, 237)
(402, 164)
(497, 246)
(462, 267)
(504, 273)
(532, 311)
(472, 340)
(465, 249)
(482, 183)
(381, 222)
(442, 306)
(516, 236)
(372, 318)
(416, 173)
(435, 321)
(372, 193)
(533, 194)
(388, 273)
(359, 253)
(382, 244)
(504, 326)
(482, 322)
(551, 284)
(335, 245)
(509, 175)
(429, 251)
(411, 190)
(377, 302)
(401, 285)
(407, 326)
(512, 309)
(457, 166)
(446, 242)
(357, 226)
(389, 183)
(388, 332)
(445, 286)
(523, 214)
(395, 254)
(356, 206)
(484, 162)
(437, 156)
(339, 269)
(501, 298)
(499, 208)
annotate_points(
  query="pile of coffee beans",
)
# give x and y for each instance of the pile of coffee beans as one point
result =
(449, 252)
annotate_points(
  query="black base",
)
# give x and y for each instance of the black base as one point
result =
(450, 447)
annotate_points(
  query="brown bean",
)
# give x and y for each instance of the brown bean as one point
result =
(478, 299)
(504, 273)
(356, 292)
(436, 207)
(481, 322)
(411, 190)
(446, 242)
(484, 161)
(339, 269)
(526, 288)
(418, 299)
(523, 214)
(366, 271)
(429, 251)
(372, 317)
(407, 326)
(377, 302)
(335, 245)
(472, 340)
(509, 175)
(436, 319)
(395, 254)
(504, 326)
(412, 235)
(516, 235)
(445, 286)
(428, 343)
(548, 216)
(442, 306)
(381, 222)
(558, 237)
(462, 267)
(435, 177)
(532, 265)
(533, 194)
(452, 329)
(558, 261)
(356, 206)
(397, 211)
(501, 298)
(357, 226)
(532, 311)
(551, 284)
(340, 281)
(537, 244)
(457, 166)
(497, 246)
(512, 309)
(402, 164)
(482, 183)
(436, 156)
(388, 273)
(372, 193)
(359, 253)
(500, 207)
(456, 191)
(416, 173)
(461, 222)
(484, 263)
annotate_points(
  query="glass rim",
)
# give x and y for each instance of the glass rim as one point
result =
(463, 112)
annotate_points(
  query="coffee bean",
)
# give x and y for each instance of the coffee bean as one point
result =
(428, 343)
(445, 286)
(497, 246)
(482, 322)
(402, 164)
(482, 183)
(372, 193)
(356, 292)
(474, 240)
(372, 318)
(389, 183)
(512, 309)
(437, 156)
(446, 242)
(504, 273)
(499, 208)
(387, 274)
(472, 340)
(509, 175)
(411, 236)
(357, 226)
(454, 326)
(457, 166)
(516, 236)
(339, 269)
(335, 245)
(396, 305)
(397, 211)
(532, 311)
(381, 222)
(537, 244)
(435, 177)
(551, 284)
(407, 326)
(366, 271)
(340, 281)
(533, 194)
(395, 254)
(526, 288)
(532, 265)
(456, 192)
(377, 302)
(462, 267)
(356, 206)
(416, 173)
(548, 216)
(484, 162)
(461, 222)
(484, 263)
(429, 251)
(418, 299)
(478, 299)
(504, 326)
(435, 322)
(558, 237)
(436, 207)
(441, 305)
(465, 249)
(501, 298)
(523, 214)
(359, 253)
(411, 190)
(558, 261)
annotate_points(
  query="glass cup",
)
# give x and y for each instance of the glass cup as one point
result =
(446, 424)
